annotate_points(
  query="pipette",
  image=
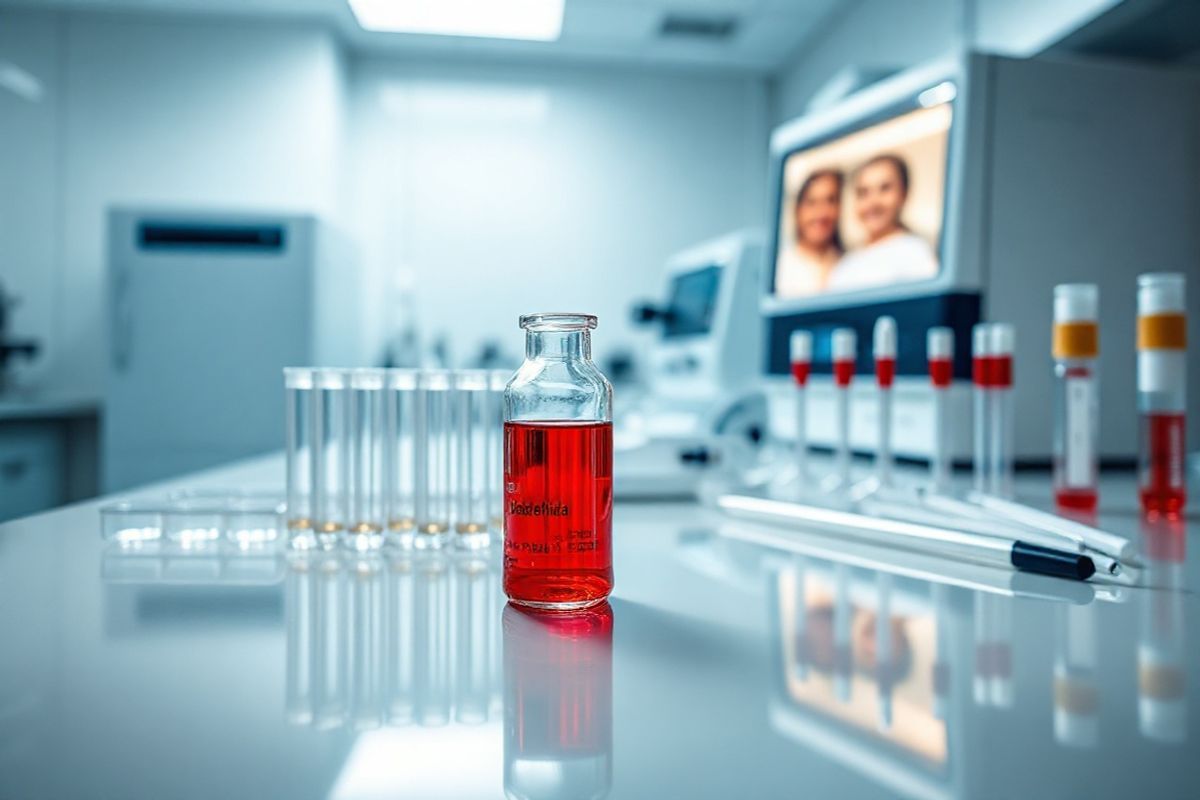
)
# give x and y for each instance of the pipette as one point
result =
(939, 349)
(801, 353)
(885, 375)
(945, 542)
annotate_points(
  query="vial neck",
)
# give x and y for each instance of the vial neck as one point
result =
(576, 344)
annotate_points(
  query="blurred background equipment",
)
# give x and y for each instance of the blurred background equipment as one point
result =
(206, 309)
(701, 402)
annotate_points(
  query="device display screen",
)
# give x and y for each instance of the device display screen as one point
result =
(865, 209)
(693, 301)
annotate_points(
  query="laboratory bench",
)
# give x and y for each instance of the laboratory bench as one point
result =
(719, 669)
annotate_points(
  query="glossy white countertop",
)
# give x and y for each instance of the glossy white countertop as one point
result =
(175, 674)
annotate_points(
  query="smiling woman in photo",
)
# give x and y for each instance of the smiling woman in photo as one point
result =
(804, 268)
(891, 253)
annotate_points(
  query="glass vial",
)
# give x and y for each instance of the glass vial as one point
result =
(845, 354)
(981, 369)
(399, 457)
(1000, 396)
(432, 457)
(471, 424)
(329, 460)
(1076, 346)
(558, 469)
(298, 392)
(1162, 392)
(366, 486)
(884, 351)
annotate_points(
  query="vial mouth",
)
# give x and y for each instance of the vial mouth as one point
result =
(558, 321)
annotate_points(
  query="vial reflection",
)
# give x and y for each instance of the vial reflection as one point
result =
(558, 703)
(1162, 655)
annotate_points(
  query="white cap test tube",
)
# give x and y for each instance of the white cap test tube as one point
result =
(801, 363)
(884, 351)
(939, 351)
(845, 353)
(981, 423)
(1002, 338)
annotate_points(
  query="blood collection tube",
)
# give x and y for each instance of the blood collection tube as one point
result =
(1002, 339)
(885, 374)
(1162, 392)
(980, 374)
(845, 352)
(801, 353)
(1076, 344)
(939, 350)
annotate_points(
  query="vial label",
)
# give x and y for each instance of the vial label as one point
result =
(557, 512)
(1078, 457)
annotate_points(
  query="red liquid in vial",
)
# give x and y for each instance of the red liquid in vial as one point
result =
(1161, 481)
(1076, 499)
(800, 372)
(558, 513)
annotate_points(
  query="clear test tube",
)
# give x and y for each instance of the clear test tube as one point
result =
(497, 381)
(1075, 347)
(1003, 340)
(939, 350)
(845, 353)
(366, 439)
(1162, 392)
(432, 457)
(801, 358)
(981, 369)
(399, 456)
(329, 461)
(884, 351)
(471, 419)
(298, 408)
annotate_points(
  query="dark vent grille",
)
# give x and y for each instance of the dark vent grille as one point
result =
(691, 26)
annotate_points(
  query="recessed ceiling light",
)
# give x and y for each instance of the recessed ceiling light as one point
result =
(537, 20)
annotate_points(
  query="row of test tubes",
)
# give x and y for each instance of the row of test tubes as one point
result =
(398, 457)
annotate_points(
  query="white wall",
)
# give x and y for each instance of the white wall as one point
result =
(181, 112)
(510, 190)
(902, 33)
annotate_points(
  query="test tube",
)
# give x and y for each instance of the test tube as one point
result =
(432, 456)
(885, 375)
(939, 350)
(298, 394)
(471, 464)
(1002, 341)
(981, 369)
(845, 352)
(801, 355)
(497, 381)
(1075, 346)
(366, 459)
(1162, 392)
(399, 457)
(328, 455)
